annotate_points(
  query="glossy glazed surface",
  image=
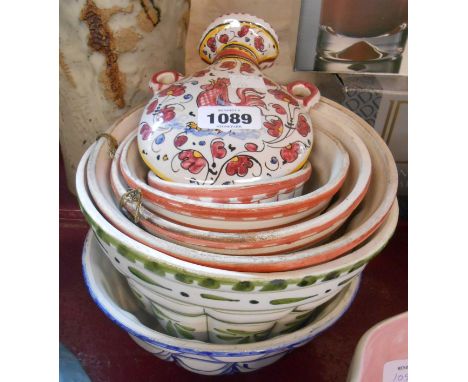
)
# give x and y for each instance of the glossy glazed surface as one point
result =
(159, 268)
(260, 191)
(376, 206)
(229, 123)
(383, 343)
(109, 291)
(239, 243)
(114, 356)
(228, 217)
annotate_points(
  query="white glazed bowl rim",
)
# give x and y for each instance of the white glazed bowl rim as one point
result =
(295, 259)
(273, 345)
(363, 178)
(376, 242)
(201, 232)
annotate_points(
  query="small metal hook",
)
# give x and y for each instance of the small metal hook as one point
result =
(111, 143)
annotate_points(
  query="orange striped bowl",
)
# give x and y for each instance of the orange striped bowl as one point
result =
(374, 208)
(276, 189)
(239, 243)
(225, 217)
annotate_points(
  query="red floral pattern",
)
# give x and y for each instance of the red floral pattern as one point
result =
(302, 126)
(283, 96)
(201, 73)
(152, 106)
(268, 82)
(218, 150)
(220, 83)
(246, 68)
(239, 165)
(224, 38)
(167, 113)
(275, 127)
(228, 65)
(145, 131)
(180, 140)
(251, 147)
(243, 31)
(173, 90)
(279, 109)
(290, 152)
(258, 43)
(211, 44)
(192, 160)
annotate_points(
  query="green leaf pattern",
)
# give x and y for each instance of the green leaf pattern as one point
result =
(242, 336)
(188, 277)
(173, 328)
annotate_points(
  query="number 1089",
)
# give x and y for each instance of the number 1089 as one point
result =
(234, 118)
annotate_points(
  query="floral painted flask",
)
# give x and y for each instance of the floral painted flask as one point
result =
(229, 123)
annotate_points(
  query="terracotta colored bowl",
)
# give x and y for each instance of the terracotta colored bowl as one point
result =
(157, 273)
(219, 216)
(227, 298)
(278, 241)
(282, 188)
(381, 345)
(239, 243)
(330, 159)
(374, 208)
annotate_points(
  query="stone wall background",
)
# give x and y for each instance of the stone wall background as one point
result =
(108, 51)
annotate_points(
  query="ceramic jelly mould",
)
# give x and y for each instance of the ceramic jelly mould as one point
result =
(229, 123)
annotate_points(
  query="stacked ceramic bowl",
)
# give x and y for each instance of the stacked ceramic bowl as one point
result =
(267, 265)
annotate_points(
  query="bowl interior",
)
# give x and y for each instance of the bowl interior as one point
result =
(112, 294)
(343, 265)
(386, 342)
(329, 158)
(249, 243)
(384, 180)
(236, 243)
(326, 160)
(368, 219)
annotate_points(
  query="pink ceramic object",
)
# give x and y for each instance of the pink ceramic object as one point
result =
(382, 352)
(229, 123)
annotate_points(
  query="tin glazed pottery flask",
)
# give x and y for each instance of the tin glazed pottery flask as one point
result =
(229, 123)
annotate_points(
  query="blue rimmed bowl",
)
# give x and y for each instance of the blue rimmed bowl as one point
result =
(112, 294)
